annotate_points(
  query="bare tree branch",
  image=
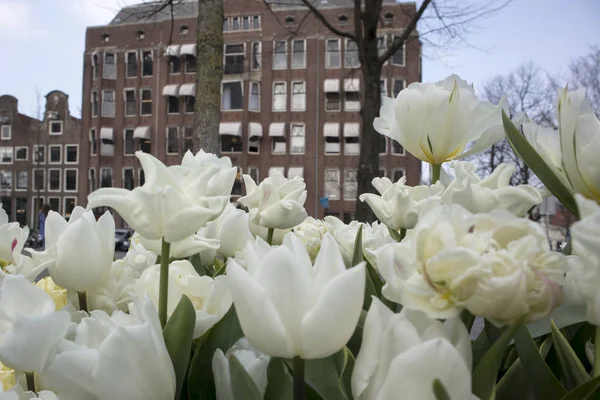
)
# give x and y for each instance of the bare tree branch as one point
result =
(326, 22)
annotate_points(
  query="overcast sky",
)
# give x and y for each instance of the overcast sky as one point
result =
(43, 42)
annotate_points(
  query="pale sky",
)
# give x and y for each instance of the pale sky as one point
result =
(42, 43)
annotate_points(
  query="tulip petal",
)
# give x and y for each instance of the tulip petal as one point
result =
(71, 374)
(220, 367)
(329, 262)
(283, 214)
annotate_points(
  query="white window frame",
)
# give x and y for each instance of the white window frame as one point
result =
(76, 179)
(90, 180)
(48, 199)
(286, 54)
(258, 138)
(12, 180)
(112, 177)
(397, 154)
(95, 146)
(259, 23)
(167, 139)
(241, 82)
(94, 65)
(50, 128)
(35, 151)
(17, 148)
(65, 154)
(125, 142)
(350, 198)
(325, 181)
(292, 125)
(125, 101)
(44, 185)
(243, 53)
(394, 171)
(394, 85)
(252, 54)
(352, 105)
(339, 53)
(92, 103)
(104, 75)
(168, 99)
(60, 178)
(304, 53)
(403, 54)
(387, 145)
(284, 95)
(64, 209)
(382, 50)
(295, 167)
(17, 189)
(12, 158)
(137, 68)
(257, 85)
(50, 146)
(114, 101)
(346, 51)
(123, 177)
(142, 62)
(6, 128)
(302, 95)
(142, 101)
(340, 102)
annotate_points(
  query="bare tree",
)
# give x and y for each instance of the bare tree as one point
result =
(584, 72)
(441, 23)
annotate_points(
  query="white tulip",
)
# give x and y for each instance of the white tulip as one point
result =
(288, 308)
(30, 328)
(311, 232)
(398, 204)
(438, 122)
(12, 239)
(254, 362)
(120, 356)
(495, 265)
(211, 297)
(405, 353)
(494, 192)
(189, 246)
(173, 202)
(277, 202)
(231, 230)
(17, 393)
(78, 253)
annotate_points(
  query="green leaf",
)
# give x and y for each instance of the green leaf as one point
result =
(356, 338)
(222, 336)
(587, 391)
(486, 372)
(543, 382)
(179, 333)
(243, 386)
(345, 365)
(534, 161)
(440, 391)
(357, 255)
(280, 383)
(484, 341)
(564, 315)
(219, 267)
(395, 235)
(573, 371)
(197, 264)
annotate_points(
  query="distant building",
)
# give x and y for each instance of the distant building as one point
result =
(40, 160)
(289, 102)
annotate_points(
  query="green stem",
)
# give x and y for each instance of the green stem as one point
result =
(270, 235)
(402, 234)
(163, 289)
(30, 379)
(436, 170)
(298, 378)
(81, 296)
(597, 352)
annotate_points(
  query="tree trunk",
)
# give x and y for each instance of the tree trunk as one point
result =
(209, 51)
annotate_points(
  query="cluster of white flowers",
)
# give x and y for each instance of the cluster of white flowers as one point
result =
(296, 286)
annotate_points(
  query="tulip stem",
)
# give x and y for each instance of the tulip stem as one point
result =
(29, 378)
(298, 378)
(436, 170)
(270, 236)
(163, 288)
(82, 297)
(597, 352)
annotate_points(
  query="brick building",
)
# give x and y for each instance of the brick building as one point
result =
(40, 161)
(290, 95)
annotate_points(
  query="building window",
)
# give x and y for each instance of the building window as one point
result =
(294, 172)
(147, 63)
(332, 56)
(54, 203)
(92, 179)
(350, 184)
(95, 104)
(231, 144)
(397, 148)
(226, 27)
(131, 66)
(56, 127)
(399, 85)
(69, 204)
(105, 38)
(38, 179)
(139, 35)
(95, 64)
(381, 45)
(106, 177)
(279, 96)
(128, 181)
(398, 57)
(388, 17)
(254, 100)
(188, 139)
(55, 153)
(297, 142)
(280, 55)
(190, 104)
(332, 101)
(331, 131)
(299, 54)
(172, 140)
(21, 153)
(343, 19)
(382, 144)
(234, 59)
(254, 173)
(5, 132)
(109, 70)
(172, 105)
(190, 64)
(383, 88)
(54, 180)
(298, 96)
(107, 145)
(256, 22)
(72, 153)
(130, 103)
(232, 97)
(276, 170)
(93, 144)
(256, 63)
(39, 154)
(22, 179)
(352, 101)
(236, 190)
(235, 24)
(397, 174)
(108, 103)
(184, 30)
(332, 183)
(289, 20)
(351, 59)
(129, 146)
(351, 145)
(6, 155)
(254, 144)
(174, 65)
(6, 180)
(145, 146)
(146, 96)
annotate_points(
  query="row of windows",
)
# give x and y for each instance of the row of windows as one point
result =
(54, 128)
(140, 34)
(178, 141)
(55, 156)
(242, 23)
(56, 179)
(68, 204)
(106, 178)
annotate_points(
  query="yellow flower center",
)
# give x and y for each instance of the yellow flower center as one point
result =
(58, 294)
(7, 377)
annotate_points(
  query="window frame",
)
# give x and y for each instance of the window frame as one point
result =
(168, 100)
(295, 167)
(12, 157)
(60, 157)
(285, 52)
(16, 185)
(127, 76)
(339, 183)
(35, 153)
(250, 94)
(66, 171)
(142, 102)
(9, 172)
(284, 83)
(104, 69)
(125, 91)
(94, 96)
(235, 57)
(292, 95)
(350, 198)
(296, 124)
(187, 69)
(43, 188)
(339, 53)
(125, 154)
(403, 54)
(51, 124)
(403, 80)
(114, 102)
(7, 128)
(253, 54)
(93, 142)
(16, 150)
(65, 199)
(304, 54)
(346, 64)
(66, 154)
(92, 182)
(132, 177)
(394, 172)
(59, 171)
(167, 130)
(241, 83)
(144, 63)
(112, 177)
(253, 167)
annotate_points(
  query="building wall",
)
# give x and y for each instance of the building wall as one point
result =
(287, 25)
(58, 134)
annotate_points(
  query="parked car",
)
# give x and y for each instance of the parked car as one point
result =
(122, 238)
